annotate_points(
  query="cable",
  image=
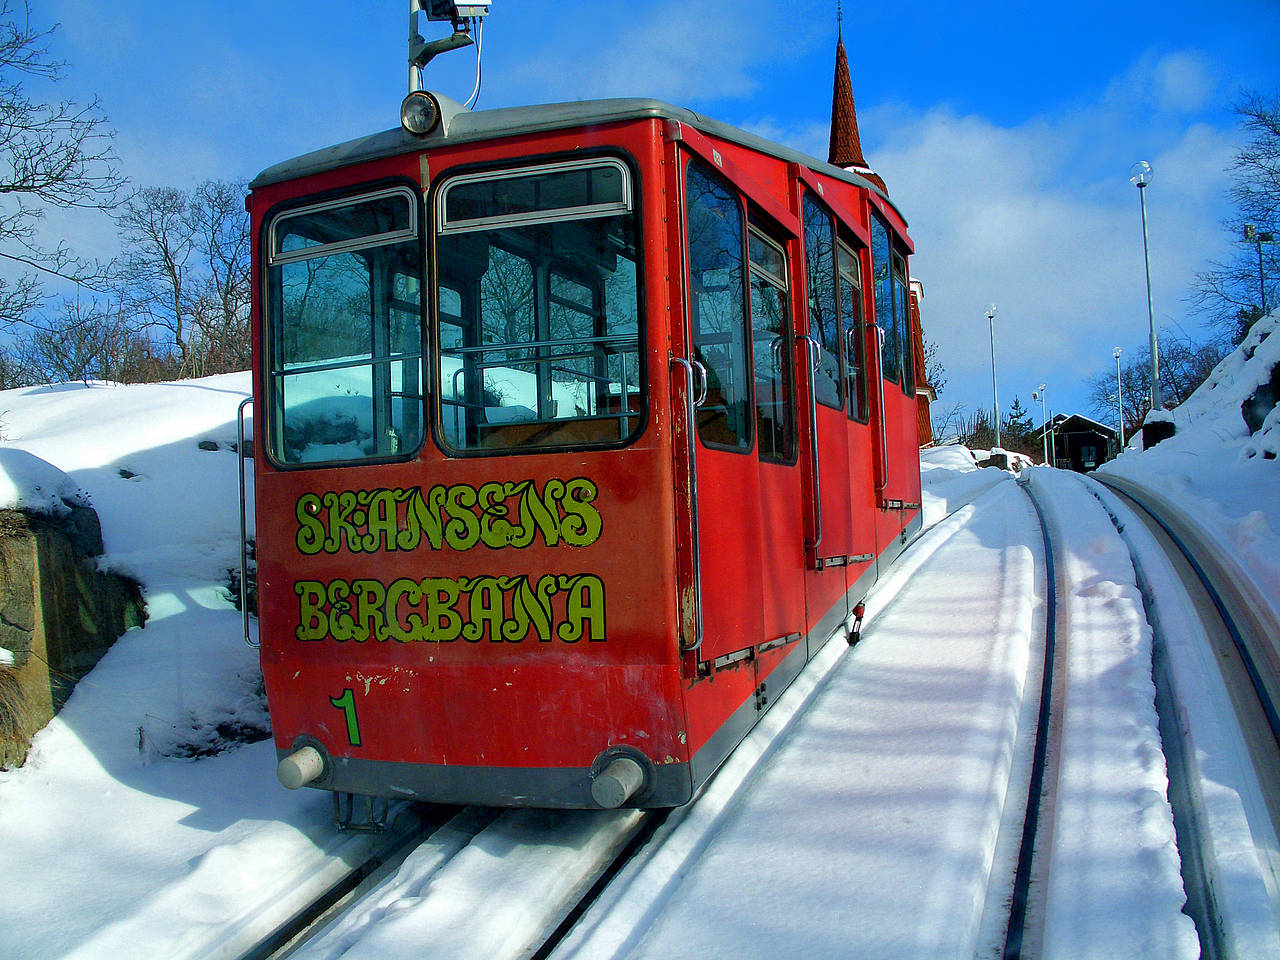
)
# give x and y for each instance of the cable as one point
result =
(478, 23)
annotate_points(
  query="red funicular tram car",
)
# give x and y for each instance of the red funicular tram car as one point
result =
(580, 428)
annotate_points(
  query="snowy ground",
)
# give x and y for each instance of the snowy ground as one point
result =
(869, 818)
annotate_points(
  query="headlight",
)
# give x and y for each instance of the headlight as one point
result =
(419, 113)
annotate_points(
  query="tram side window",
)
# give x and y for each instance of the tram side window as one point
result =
(886, 316)
(717, 298)
(344, 330)
(851, 323)
(771, 349)
(903, 325)
(539, 307)
(824, 320)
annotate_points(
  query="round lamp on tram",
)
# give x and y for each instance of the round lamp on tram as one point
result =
(419, 113)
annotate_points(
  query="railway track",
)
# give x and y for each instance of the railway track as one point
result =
(628, 862)
(1192, 601)
(1215, 669)
(427, 892)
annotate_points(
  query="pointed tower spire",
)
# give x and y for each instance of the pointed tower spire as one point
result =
(846, 148)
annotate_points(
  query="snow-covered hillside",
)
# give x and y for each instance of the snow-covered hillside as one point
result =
(1221, 470)
(147, 820)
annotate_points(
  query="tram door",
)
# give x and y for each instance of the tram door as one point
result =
(829, 537)
(749, 493)
(864, 421)
(889, 437)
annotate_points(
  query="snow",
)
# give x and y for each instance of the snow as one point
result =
(29, 483)
(872, 812)
(1114, 885)
(1219, 473)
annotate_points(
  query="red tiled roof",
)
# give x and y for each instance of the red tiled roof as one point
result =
(845, 148)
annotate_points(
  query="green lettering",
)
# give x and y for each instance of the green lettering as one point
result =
(444, 625)
(585, 608)
(582, 523)
(462, 532)
(312, 622)
(310, 537)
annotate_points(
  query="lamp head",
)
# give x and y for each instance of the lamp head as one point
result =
(1140, 174)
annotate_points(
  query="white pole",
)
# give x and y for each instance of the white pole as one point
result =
(995, 397)
(1119, 396)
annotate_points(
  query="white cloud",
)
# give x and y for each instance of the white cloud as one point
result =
(612, 49)
(1040, 218)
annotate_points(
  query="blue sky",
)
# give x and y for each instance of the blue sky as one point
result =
(1004, 131)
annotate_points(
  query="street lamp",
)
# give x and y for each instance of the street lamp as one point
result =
(1140, 175)
(1044, 428)
(1251, 235)
(995, 397)
(1119, 395)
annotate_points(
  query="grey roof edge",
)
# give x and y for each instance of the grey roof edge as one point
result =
(468, 127)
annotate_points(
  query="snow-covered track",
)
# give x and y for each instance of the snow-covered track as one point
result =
(1213, 709)
(1105, 875)
(1025, 919)
(492, 883)
(324, 892)
(1248, 619)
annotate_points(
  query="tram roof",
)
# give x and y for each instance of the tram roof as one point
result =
(468, 126)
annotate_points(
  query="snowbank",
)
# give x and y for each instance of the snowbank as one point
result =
(1221, 469)
(950, 478)
(29, 483)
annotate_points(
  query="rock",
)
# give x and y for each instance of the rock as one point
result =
(58, 615)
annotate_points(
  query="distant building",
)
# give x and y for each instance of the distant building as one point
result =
(1078, 443)
(845, 151)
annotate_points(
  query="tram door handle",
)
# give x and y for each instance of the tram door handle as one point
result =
(814, 351)
(692, 401)
(884, 436)
(244, 535)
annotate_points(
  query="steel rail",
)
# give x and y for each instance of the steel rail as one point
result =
(396, 848)
(1042, 787)
(1194, 842)
(1252, 629)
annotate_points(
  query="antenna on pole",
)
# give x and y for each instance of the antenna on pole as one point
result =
(460, 14)
(421, 112)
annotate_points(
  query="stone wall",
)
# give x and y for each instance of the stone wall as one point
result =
(58, 615)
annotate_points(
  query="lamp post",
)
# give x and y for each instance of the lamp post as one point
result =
(1140, 175)
(1044, 429)
(1251, 235)
(1119, 395)
(995, 397)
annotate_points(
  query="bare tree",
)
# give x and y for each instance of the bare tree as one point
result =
(52, 155)
(221, 303)
(1184, 365)
(184, 273)
(1232, 293)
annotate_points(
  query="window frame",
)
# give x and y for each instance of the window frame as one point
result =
(512, 168)
(859, 407)
(902, 285)
(757, 225)
(892, 338)
(811, 196)
(709, 172)
(269, 322)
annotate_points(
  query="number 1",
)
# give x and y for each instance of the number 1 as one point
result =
(347, 704)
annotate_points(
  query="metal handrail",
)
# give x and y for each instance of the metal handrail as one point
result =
(244, 532)
(814, 350)
(884, 436)
(691, 430)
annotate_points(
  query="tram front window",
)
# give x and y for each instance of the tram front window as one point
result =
(345, 337)
(539, 342)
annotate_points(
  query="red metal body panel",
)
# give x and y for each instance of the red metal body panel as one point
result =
(386, 640)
